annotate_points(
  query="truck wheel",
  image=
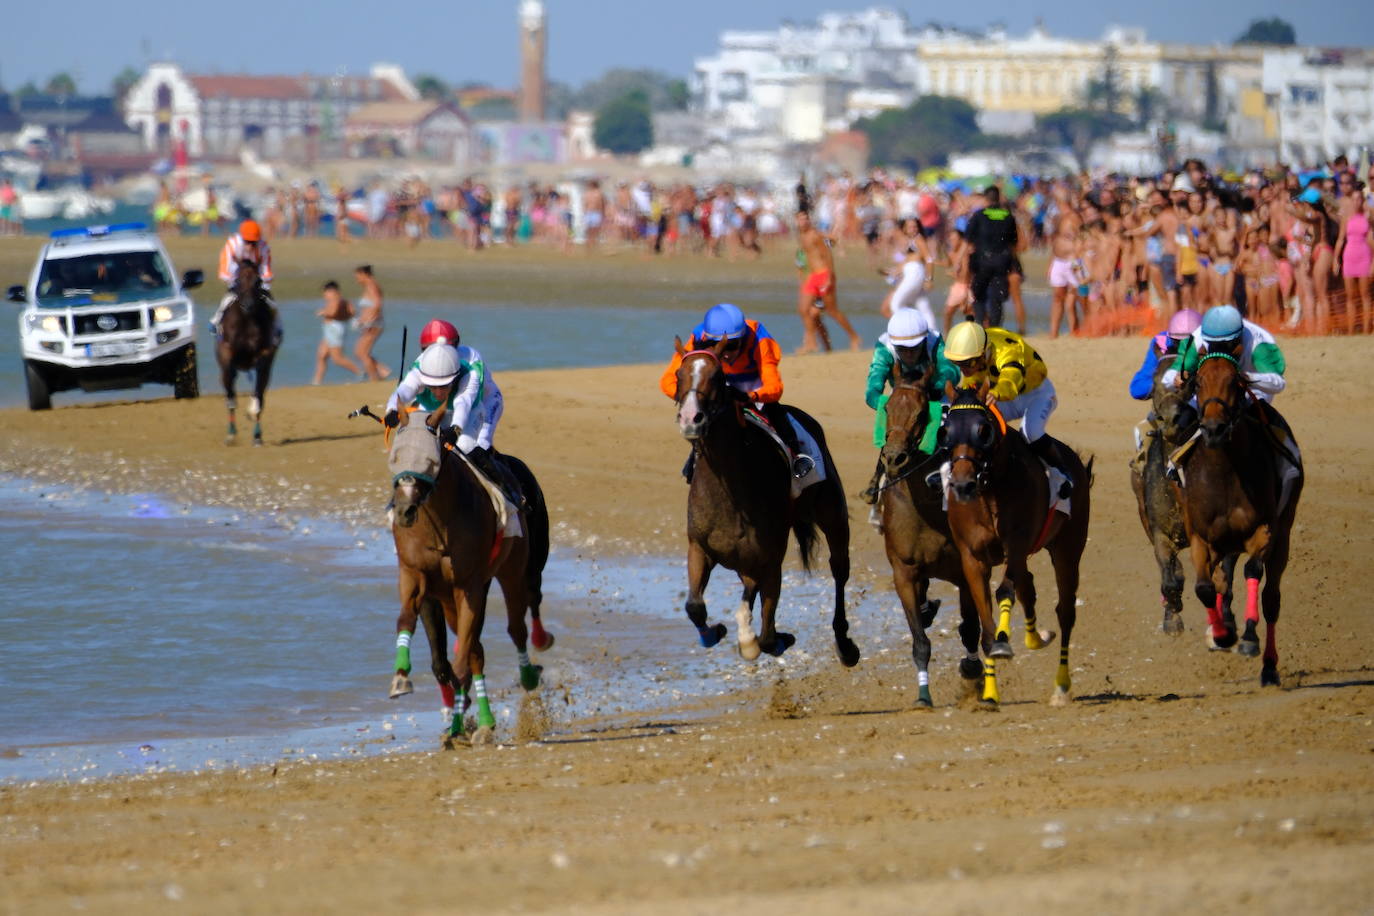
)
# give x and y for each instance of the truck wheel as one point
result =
(40, 397)
(186, 382)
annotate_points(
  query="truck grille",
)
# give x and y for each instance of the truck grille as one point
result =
(101, 323)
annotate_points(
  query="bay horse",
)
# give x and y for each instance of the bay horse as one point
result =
(449, 547)
(1172, 421)
(1230, 491)
(999, 510)
(740, 510)
(246, 343)
(916, 529)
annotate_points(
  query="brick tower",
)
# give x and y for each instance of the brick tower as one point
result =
(533, 39)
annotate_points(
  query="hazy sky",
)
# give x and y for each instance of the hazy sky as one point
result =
(476, 40)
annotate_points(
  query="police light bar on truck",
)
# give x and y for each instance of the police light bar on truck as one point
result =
(95, 232)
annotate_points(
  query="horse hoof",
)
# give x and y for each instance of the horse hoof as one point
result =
(257, 443)
(1224, 643)
(1269, 676)
(710, 635)
(447, 742)
(1001, 649)
(1060, 698)
(750, 650)
(1172, 624)
(923, 701)
(928, 612)
(529, 676)
(400, 686)
(1039, 639)
(784, 641)
(541, 639)
(1250, 648)
(848, 652)
(988, 706)
(484, 736)
(970, 669)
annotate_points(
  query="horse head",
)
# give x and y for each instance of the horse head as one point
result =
(971, 433)
(1175, 418)
(247, 284)
(907, 415)
(702, 392)
(1221, 397)
(414, 461)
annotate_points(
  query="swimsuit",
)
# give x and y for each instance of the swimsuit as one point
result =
(818, 283)
(1355, 259)
(334, 332)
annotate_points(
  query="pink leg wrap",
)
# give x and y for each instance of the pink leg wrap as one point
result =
(1271, 647)
(446, 691)
(1214, 618)
(1252, 592)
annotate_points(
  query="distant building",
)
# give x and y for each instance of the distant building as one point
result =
(425, 129)
(1324, 100)
(85, 131)
(292, 117)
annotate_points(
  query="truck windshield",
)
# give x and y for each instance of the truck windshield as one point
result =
(123, 276)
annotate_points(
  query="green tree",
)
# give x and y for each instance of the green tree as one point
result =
(923, 134)
(123, 82)
(1149, 105)
(619, 82)
(61, 84)
(1272, 31)
(624, 125)
(1078, 129)
(431, 87)
(677, 95)
(28, 89)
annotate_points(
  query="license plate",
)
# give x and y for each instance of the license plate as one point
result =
(111, 349)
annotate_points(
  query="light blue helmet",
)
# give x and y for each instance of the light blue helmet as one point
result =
(1222, 322)
(723, 322)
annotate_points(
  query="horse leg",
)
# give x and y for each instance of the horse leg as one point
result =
(1249, 640)
(405, 629)
(476, 599)
(970, 632)
(699, 567)
(833, 518)
(1228, 573)
(910, 590)
(1277, 562)
(976, 574)
(515, 590)
(436, 631)
(771, 640)
(1170, 583)
(262, 375)
(1204, 565)
(1001, 640)
(1066, 553)
(749, 647)
(464, 637)
(227, 374)
(1036, 638)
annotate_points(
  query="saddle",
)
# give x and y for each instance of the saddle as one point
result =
(807, 465)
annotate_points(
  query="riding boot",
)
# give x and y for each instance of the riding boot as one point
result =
(870, 494)
(497, 473)
(801, 463)
(689, 465)
(1045, 451)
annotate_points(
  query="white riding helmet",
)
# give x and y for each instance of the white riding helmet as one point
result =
(439, 365)
(907, 328)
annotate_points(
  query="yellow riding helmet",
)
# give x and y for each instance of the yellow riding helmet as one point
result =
(966, 341)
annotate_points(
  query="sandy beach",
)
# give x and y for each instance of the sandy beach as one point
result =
(1174, 781)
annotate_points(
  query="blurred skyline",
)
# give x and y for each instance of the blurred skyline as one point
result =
(477, 41)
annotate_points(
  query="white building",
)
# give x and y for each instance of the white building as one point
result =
(1324, 101)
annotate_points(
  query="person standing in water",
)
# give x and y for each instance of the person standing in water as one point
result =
(816, 298)
(369, 323)
(334, 316)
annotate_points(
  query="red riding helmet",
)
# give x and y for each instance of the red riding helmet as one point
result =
(438, 331)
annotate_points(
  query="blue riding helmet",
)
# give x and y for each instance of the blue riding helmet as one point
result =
(723, 322)
(1222, 322)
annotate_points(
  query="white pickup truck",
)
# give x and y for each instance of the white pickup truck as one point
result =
(103, 310)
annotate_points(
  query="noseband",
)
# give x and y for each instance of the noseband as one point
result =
(1229, 413)
(981, 459)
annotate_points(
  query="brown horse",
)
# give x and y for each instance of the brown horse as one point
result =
(1231, 492)
(999, 509)
(740, 509)
(916, 530)
(247, 342)
(1172, 421)
(449, 545)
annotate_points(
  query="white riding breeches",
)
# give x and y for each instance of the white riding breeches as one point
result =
(1033, 409)
(480, 429)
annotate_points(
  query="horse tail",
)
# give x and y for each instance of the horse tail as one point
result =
(804, 527)
(537, 518)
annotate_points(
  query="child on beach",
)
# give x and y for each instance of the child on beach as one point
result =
(334, 316)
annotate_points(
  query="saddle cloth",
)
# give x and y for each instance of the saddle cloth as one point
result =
(806, 445)
(507, 515)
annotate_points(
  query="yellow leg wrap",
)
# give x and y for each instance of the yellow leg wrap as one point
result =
(1061, 677)
(990, 694)
(1004, 619)
(1033, 640)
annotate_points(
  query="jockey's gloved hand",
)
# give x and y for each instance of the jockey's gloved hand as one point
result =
(448, 436)
(392, 419)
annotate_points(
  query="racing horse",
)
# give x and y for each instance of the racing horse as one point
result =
(247, 343)
(740, 509)
(1172, 421)
(1231, 491)
(1000, 510)
(916, 530)
(449, 546)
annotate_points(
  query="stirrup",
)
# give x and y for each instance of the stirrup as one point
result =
(802, 465)
(933, 480)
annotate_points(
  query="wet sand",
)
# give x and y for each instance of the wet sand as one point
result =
(1174, 780)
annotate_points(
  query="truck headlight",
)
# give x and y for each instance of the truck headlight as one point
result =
(175, 312)
(49, 323)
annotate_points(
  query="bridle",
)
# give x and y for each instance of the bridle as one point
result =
(982, 456)
(1230, 413)
(716, 406)
(914, 432)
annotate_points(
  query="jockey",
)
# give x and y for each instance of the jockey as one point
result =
(1020, 382)
(1223, 330)
(452, 379)
(911, 342)
(1181, 328)
(750, 362)
(245, 245)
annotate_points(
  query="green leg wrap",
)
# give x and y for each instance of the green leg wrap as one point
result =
(529, 676)
(403, 651)
(456, 728)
